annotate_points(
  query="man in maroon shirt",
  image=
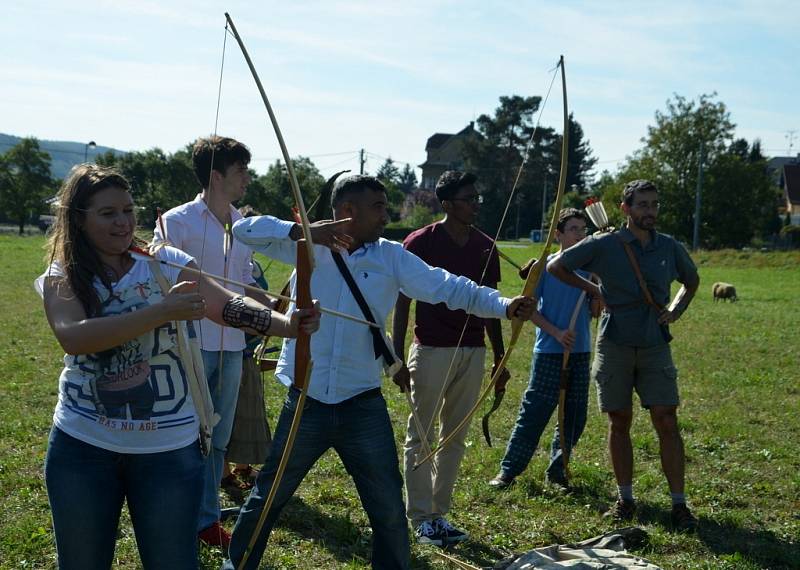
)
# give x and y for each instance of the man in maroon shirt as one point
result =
(446, 361)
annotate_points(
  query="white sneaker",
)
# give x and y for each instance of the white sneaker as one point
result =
(448, 532)
(427, 534)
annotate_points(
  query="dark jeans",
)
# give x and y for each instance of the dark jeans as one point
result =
(538, 404)
(86, 486)
(360, 432)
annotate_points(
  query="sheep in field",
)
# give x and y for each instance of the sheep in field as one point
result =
(724, 291)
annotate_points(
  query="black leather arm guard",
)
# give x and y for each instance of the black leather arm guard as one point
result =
(238, 313)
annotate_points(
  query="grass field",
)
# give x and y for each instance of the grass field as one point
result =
(739, 372)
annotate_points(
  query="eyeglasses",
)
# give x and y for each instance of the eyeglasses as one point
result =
(647, 205)
(477, 199)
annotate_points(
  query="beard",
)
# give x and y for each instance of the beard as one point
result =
(644, 222)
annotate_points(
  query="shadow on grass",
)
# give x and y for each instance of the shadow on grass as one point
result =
(474, 552)
(762, 547)
(343, 539)
(347, 541)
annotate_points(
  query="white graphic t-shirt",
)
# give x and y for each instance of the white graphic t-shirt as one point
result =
(133, 398)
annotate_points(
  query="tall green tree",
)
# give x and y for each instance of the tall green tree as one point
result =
(158, 179)
(388, 172)
(495, 157)
(741, 202)
(25, 182)
(272, 194)
(408, 179)
(737, 203)
(671, 153)
(580, 161)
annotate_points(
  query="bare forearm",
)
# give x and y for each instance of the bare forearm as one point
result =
(400, 325)
(684, 297)
(494, 331)
(541, 322)
(89, 336)
(557, 270)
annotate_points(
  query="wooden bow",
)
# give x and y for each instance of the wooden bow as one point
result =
(305, 266)
(562, 391)
(531, 282)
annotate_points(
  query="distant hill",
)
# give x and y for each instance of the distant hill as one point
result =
(63, 154)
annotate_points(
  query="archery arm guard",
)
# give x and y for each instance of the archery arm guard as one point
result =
(240, 312)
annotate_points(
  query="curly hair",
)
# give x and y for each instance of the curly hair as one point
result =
(451, 181)
(636, 186)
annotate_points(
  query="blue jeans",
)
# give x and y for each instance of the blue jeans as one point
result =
(538, 403)
(223, 396)
(86, 486)
(360, 432)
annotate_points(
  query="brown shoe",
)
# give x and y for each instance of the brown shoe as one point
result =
(682, 518)
(622, 510)
(501, 481)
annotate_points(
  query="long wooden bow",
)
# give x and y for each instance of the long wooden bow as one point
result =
(531, 282)
(305, 266)
(562, 391)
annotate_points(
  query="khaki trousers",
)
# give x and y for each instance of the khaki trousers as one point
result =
(427, 496)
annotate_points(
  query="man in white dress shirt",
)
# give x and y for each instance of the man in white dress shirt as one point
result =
(199, 228)
(345, 409)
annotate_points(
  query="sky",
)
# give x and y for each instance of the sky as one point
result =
(384, 76)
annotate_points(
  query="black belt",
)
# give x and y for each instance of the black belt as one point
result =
(366, 395)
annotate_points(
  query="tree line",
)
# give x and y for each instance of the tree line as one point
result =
(739, 199)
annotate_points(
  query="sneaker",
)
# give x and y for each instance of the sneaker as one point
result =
(426, 533)
(682, 518)
(622, 510)
(449, 533)
(215, 535)
(501, 481)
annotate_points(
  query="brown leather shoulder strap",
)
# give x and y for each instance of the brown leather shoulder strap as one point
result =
(639, 277)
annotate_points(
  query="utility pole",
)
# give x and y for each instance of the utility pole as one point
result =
(362, 160)
(790, 134)
(696, 236)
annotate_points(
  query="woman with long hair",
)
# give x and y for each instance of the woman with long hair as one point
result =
(127, 425)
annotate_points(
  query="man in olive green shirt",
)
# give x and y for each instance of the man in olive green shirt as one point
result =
(633, 350)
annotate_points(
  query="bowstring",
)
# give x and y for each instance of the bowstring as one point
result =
(440, 397)
(211, 168)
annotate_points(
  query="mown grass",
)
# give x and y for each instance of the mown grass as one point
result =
(739, 382)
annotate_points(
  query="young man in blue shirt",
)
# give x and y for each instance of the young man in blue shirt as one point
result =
(556, 303)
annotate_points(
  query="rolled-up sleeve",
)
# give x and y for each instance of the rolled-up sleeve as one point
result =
(580, 255)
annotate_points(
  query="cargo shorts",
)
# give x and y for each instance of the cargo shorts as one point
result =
(618, 370)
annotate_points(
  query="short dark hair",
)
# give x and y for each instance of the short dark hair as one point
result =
(451, 181)
(223, 151)
(354, 184)
(566, 214)
(636, 186)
